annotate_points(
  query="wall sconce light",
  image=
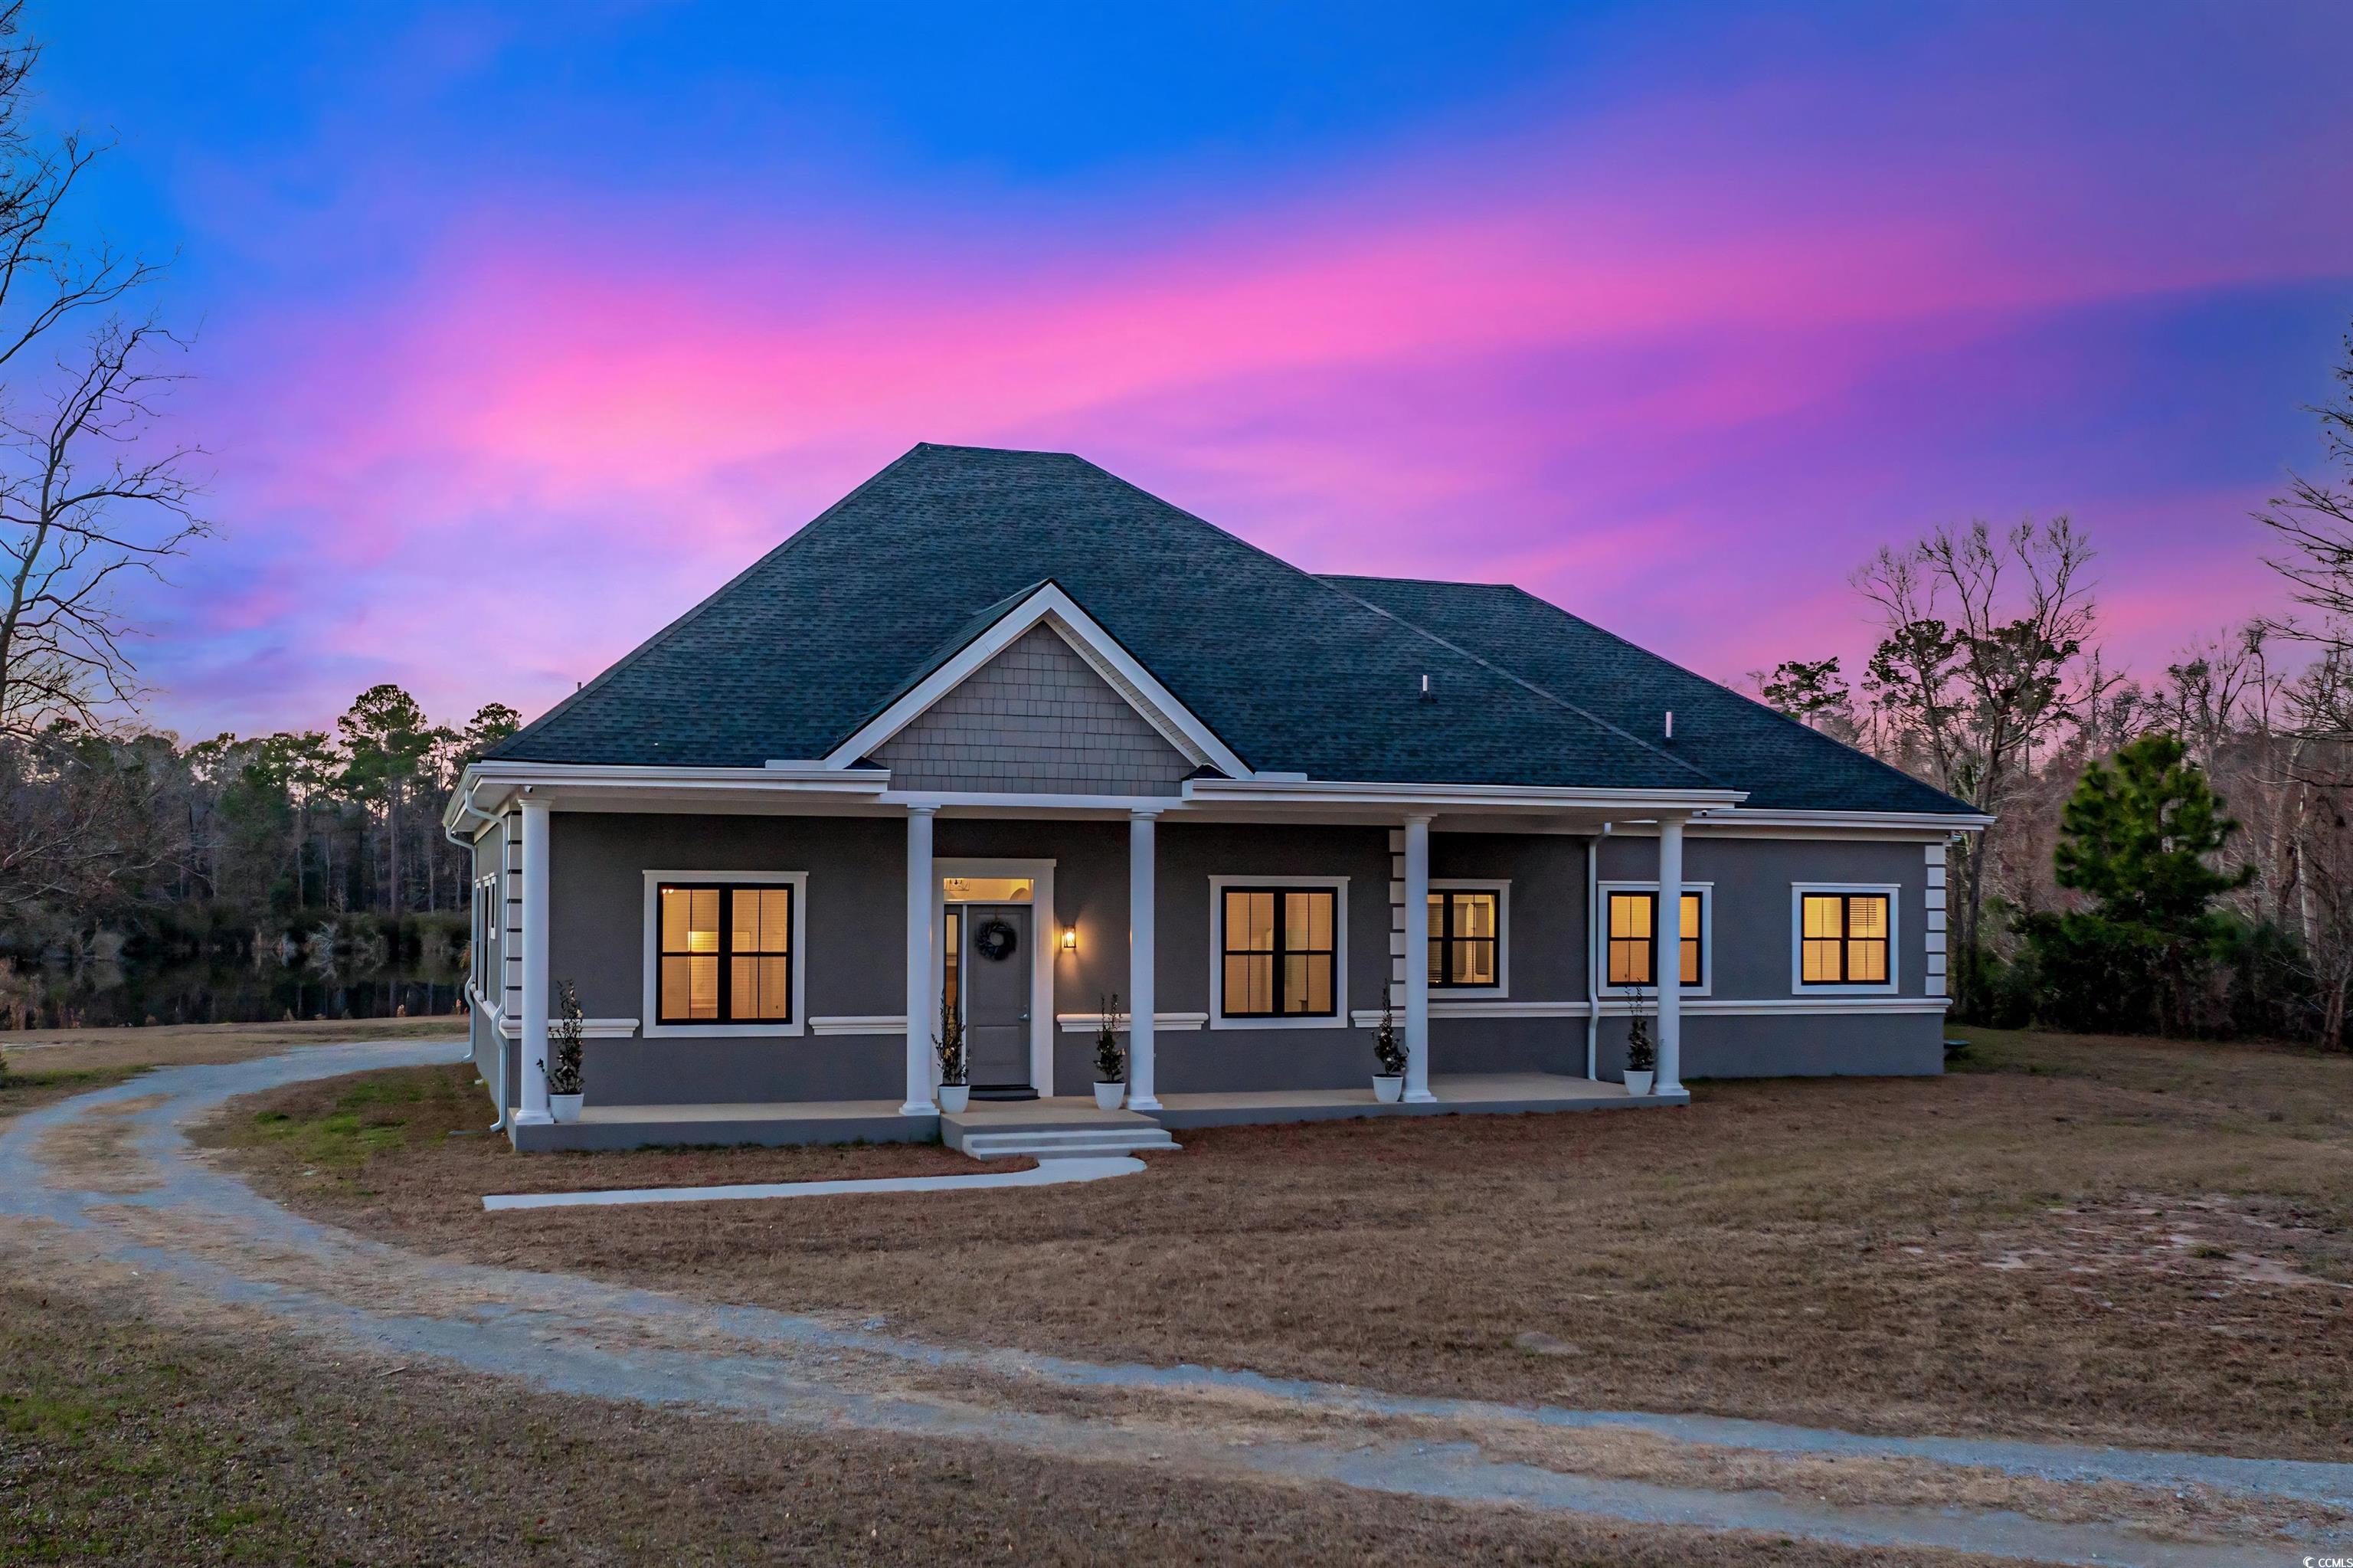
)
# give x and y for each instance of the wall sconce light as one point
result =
(1070, 939)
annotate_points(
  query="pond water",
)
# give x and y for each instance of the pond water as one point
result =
(100, 995)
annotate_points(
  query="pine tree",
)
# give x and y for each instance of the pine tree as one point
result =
(2140, 837)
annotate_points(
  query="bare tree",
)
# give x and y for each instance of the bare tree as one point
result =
(85, 500)
(2315, 520)
(1980, 665)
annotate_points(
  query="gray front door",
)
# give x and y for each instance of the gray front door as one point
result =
(994, 978)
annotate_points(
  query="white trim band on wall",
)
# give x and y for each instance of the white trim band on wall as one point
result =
(1088, 1022)
(860, 1023)
(590, 1028)
(1698, 1006)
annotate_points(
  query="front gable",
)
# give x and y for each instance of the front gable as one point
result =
(1034, 719)
(1038, 700)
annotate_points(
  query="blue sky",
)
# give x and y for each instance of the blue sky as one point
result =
(1670, 313)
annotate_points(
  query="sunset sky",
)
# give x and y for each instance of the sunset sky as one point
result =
(521, 328)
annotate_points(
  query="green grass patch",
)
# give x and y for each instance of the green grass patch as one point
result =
(380, 1112)
(21, 1090)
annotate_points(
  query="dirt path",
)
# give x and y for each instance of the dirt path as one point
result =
(102, 1189)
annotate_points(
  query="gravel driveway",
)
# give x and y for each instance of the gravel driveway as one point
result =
(104, 1188)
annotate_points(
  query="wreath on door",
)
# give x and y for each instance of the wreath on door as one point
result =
(995, 939)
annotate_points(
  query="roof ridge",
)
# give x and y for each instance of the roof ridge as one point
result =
(1549, 696)
(696, 611)
(1428, 582)
(1328, 586)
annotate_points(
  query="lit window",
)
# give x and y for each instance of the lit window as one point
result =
(726, 953)
(988, 889)
(1279, 952)
(1465, 937)
(1633, 957)
(1844, 938)
(951, 957)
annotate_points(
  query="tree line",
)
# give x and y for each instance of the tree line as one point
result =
(117, 842)
(2171, 854)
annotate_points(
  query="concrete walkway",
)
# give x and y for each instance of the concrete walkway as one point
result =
(106, 1184)
(1048, 1173)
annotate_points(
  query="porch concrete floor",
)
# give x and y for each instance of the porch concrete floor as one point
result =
(1463, 1094)
(878, 1121)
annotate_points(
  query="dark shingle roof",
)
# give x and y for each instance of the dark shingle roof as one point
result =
(1295, 673)
(1782, 764)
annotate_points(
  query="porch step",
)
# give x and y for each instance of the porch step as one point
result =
(1051, 1143)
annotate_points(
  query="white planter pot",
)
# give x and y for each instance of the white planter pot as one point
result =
(954, 1097)
(1389, 1087)
(1108, 1095)
(565, 1108)
(1639, 1082)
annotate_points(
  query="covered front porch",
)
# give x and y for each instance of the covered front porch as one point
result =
(1030, 920)
(988, 1130)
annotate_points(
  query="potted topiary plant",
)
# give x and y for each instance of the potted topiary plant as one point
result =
(1642, 1056)
(563, 1087)
(1111, 1062)
(1389, 1059)
(955, 1089)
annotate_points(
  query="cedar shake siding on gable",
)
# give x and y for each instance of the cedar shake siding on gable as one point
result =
(1036, 720)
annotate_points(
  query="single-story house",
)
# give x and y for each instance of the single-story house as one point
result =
(1003, 731)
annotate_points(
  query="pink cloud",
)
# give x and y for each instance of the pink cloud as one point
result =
(1593, 356)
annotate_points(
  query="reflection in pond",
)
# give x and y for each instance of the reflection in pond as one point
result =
(344, 969)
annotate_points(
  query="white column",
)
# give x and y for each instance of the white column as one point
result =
(1670, 956)
(922, 894)
(1140, 961)
(534, 1048)
(1417, 959)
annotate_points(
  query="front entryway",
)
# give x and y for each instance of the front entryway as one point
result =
(992, 972)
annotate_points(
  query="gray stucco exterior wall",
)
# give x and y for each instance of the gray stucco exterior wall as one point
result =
(854, 930)
(853, 933)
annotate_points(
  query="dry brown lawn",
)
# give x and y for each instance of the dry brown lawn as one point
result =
(40, 1051)
(122, 1442)
(2115, 1240)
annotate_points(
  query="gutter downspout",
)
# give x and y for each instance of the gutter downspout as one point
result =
(1593, 952)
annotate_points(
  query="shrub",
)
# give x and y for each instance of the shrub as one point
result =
(949, 1044)
(1389, 1051)
(564, 1077)
(1111, 1062)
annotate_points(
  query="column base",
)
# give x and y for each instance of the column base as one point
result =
(919, 1108)
(533, 1119)
(1661, 1086)
(1147, 1104)
(1420, 1097)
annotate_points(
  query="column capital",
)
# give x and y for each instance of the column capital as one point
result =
(1424, 818)
(923, 809)
(1144, 813)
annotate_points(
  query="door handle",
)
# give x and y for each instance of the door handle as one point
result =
(1024, 1018)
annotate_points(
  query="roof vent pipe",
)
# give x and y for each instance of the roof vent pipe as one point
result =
(1671, 723)
(1427, 696)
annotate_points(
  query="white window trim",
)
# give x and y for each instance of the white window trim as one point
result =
(1502, 888)
(1797, 890)
(1601, 958)
(651, 1012)
(1336, 884)
(483, 927)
